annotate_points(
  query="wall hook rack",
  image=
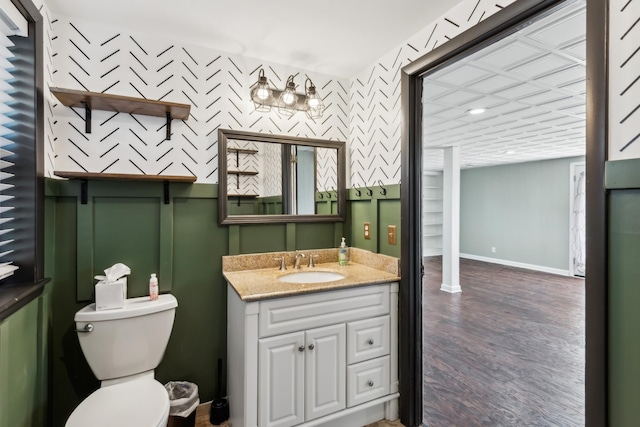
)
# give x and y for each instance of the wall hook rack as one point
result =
(383, 190)
(369, 191)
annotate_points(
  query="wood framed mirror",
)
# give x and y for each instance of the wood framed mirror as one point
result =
(265, 178)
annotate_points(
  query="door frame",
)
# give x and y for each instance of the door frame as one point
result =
(506, 21)
(572, 190)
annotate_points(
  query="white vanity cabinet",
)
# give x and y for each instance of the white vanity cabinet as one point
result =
(327, 358)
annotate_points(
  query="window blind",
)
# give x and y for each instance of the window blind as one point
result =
(10, 25)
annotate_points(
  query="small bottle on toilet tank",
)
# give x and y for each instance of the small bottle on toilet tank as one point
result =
(153, 287)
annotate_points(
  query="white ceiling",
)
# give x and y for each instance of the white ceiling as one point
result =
(335, 37)
(532, 85)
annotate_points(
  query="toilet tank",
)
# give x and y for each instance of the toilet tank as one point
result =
(128, 340)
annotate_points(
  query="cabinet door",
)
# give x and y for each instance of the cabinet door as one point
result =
(325, 371)
(281, 380)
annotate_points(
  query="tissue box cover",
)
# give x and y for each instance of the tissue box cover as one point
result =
(111, 295)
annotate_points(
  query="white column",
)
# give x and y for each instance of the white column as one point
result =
(451, 221)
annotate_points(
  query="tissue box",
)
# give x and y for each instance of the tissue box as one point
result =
(110, 295)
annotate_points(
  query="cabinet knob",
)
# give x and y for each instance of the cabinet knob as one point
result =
(370, 383)
(301, 348)
(311, 346)
(370, 341)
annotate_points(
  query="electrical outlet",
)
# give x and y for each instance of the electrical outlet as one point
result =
(367, 230)
(391, 230)
(493, 249)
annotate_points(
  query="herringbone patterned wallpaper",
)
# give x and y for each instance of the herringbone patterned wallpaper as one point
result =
(97, 58)
(366, 111)
(374, 95)
(624, 74)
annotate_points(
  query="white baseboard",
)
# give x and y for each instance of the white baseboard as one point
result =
(542, 268)
(452, 289)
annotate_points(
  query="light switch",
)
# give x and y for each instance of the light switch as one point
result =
(392, 234)
(367, 230)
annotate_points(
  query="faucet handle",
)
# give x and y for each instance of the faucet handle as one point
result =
(283, 265)
(311, 263)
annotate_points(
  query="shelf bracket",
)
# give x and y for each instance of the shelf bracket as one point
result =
(84, 191)
(87, 117)
(167, 196)
(168, 126)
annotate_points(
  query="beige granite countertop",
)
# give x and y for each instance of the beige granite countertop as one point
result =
(252, 282)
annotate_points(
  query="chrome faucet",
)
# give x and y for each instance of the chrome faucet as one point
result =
(296, 263)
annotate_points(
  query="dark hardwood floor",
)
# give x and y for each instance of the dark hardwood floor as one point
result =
(507, 351)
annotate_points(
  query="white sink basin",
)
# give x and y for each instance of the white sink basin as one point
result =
(311, 277)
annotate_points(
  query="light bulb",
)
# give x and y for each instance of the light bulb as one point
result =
(287, 98)
(262, 93)
(313, 102)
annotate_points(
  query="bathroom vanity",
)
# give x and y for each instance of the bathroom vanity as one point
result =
(313, 354)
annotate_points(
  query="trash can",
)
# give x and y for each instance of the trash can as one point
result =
(183, 401)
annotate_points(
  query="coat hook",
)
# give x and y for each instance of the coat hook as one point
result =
(320, 195)
(384, 190)
(358, 192)
(369, 191)
(329, 194)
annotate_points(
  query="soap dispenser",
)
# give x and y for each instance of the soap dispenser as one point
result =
(343, 253)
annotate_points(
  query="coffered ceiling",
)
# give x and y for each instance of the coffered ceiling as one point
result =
(532, 87)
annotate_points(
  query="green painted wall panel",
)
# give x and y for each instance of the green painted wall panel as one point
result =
(71, 377)
(127, 230)
(624, 300)
(24, 361)
(263, 238)
(198, 338)
(389, 214)
(360, 212)
(315, 236)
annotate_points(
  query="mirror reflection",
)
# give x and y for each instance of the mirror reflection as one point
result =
(268, 178)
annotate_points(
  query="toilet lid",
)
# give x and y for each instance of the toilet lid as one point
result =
(136, 403)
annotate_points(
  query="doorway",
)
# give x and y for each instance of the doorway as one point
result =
(508, 21)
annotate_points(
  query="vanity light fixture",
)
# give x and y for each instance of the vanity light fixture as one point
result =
(476, 111)
(287, 102)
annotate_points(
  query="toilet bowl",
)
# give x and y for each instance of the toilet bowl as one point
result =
(123, 347)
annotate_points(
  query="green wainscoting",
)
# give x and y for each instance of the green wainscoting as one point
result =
(624, 300)
(623, 182)
(381, 210)
(24, 364)
(181, 241)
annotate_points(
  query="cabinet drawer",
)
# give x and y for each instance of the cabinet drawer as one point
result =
(367, 381)
(290, 314)
(367, 339)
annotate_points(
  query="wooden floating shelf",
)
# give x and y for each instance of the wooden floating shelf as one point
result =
(242, 173)
(125, 177)
(244, 196)
(120, 103)
(242, 150)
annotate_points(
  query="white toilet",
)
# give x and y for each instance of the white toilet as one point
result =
(123, 347)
